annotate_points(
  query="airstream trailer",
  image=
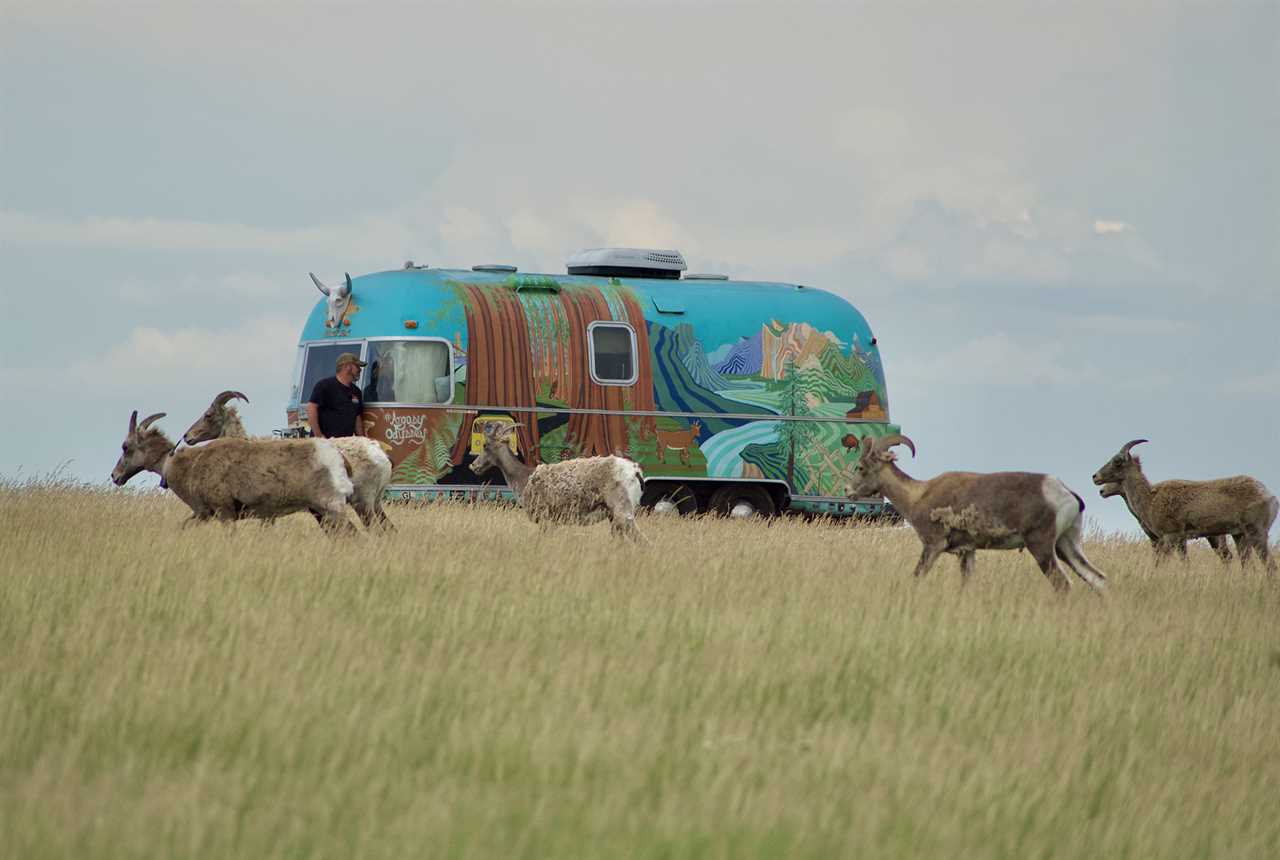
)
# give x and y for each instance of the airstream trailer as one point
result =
(736, 396)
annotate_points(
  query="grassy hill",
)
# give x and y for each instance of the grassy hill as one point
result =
(476, 687)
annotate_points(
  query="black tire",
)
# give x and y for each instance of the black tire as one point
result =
(681, 497)
(742, 497)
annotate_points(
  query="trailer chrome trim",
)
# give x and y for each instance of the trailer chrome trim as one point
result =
(633, 413)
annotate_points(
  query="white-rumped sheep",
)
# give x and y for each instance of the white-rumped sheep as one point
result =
(1217, 542)
(230, 479)
(370, 466)
(1178, 511)
(960, 512)
(339, 299)
(581, 491)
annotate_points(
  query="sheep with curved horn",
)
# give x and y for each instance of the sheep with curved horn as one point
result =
(369, 464)
(339, 301)
(236, 478)
(960, 512)
(1178, 511)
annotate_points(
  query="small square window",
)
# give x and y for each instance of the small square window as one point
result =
(613, 353)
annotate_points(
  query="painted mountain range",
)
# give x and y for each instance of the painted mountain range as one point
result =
(744, 358)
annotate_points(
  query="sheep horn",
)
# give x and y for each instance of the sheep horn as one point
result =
(221, 399)
(1128, 445)
(146, 422)
(348, 292)
(321, 287)
(133, 422)
(884, 443)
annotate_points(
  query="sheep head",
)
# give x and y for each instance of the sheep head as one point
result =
(1118, 467)
(211, 424)
(339, 300)
(1111, 489)
(874, 460)
(496, 440)
(143, 448)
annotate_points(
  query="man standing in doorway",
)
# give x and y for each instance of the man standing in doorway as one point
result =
(335, 405)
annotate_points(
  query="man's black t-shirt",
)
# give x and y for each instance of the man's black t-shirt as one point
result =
(338, 405)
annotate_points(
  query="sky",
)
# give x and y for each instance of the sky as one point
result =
(1062, 221)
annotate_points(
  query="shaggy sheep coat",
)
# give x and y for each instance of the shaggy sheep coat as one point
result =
(583, 491)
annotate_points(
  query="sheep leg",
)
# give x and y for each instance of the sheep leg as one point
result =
(1219, 544)
(1070, 549)
(967, 558)
(1165, 546)
(1245, 547)
(927, 558)
(1043, 549)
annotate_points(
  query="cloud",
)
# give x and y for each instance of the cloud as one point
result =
(363, 236)
(1102, 228)
(999, 359)
(154, 358)
(1265, 384)
(1115, 324)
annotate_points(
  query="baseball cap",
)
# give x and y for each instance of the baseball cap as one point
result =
(348, 358)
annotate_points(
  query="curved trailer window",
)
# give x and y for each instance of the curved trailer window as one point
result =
(613, 353)
(321, 363)
(408, 372)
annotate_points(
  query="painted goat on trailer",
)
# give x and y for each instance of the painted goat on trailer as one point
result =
(960, 512)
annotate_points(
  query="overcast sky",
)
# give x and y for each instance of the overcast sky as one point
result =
(1062, 221)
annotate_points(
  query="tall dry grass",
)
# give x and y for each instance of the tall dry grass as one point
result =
(473, 687)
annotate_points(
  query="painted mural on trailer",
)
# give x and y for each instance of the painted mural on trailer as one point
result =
(524, 347)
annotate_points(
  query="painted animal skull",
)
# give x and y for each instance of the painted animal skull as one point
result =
(339, 300)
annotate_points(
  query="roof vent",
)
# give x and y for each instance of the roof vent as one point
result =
(693, 276)
(627, 263)
(493, 267)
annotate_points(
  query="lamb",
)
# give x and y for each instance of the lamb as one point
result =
(960, 512)
(234, 478)
(370, 467)
(1178, 511)
(1217, 542)
(579, 491)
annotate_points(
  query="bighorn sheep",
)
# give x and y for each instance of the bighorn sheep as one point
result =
(960, 512)
(234, 478)
(580, 491)
(339, 300)
(1217, 542)
(370, 467)
(1178, 511)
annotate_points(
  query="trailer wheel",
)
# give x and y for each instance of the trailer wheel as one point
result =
(670, 499)
(743, 500)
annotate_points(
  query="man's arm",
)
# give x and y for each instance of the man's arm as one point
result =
(313, 417)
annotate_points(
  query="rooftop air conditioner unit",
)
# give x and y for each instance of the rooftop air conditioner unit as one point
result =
(627, 263)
